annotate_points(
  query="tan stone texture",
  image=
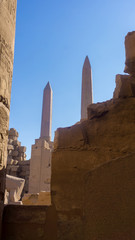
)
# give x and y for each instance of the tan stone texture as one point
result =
(14, 187)
(130, 53)
(42, 198)
(40, 167)
(125, 86)
(7, 36)
(88, 149)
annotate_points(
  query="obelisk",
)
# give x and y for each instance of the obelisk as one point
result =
(46, 122)
(87, 96)
(40, 163)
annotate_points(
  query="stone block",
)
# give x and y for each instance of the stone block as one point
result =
(10, 147)
(16, 143)
(22, 149)
(13, 132)
(14, 186)
(25, 163)
(19, 158)
(12, 137)
(15, 162)
(10, 153)
(125, 86)
(130, 53)
(10, 141)
(10, 161)
(15, 153)
(15, 168)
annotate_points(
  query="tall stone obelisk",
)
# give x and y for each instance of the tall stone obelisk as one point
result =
(40, 164)
(87, 96)
(46, 122)
(7, 39)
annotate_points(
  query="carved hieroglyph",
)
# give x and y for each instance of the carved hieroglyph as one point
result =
(86, 97)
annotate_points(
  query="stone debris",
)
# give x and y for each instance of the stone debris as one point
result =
(14, 187)
(16, 161)
(15, 150)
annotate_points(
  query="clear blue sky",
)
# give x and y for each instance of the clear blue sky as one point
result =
(52, 40)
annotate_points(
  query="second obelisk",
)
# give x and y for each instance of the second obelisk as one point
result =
(87, 96)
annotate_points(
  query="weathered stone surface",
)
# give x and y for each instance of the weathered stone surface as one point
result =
(7, 36)
(42, 198)
(125, 86)
(14, 187)
(81, 150)
(10, 147)
(29, 222)
(15, 153)
(12, 137)
(17, 166)
(130, 53)
(16, 143)
(13, 132)
(40, 167)
(22, 149)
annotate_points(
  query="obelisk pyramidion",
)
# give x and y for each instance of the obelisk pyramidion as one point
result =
(87, 96)
(46, 122)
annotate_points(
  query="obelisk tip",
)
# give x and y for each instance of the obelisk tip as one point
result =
(48, 86)
(86, 62)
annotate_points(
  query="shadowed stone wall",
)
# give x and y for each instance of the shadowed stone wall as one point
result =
(29, 222)
(7, 36)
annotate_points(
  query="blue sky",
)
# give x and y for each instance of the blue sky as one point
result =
(52, 41)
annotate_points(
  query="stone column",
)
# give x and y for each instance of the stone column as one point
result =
(7, 37)
(86, 97)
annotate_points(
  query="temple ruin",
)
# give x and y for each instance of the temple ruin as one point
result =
(93, 168)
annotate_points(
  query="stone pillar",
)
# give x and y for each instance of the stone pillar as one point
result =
(40, 166)
(7, 37)
(46, 113)
(86, 98)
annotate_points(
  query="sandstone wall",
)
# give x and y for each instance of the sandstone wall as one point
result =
(88, 151)
(7, 36)
(29, 222)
